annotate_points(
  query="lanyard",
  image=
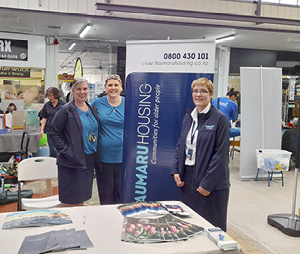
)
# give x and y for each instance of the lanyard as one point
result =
(193, 133)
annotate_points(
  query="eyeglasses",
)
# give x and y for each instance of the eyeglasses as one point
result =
(201, 92)
(112, 76)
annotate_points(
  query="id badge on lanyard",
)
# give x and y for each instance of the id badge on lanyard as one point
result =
(191, 151)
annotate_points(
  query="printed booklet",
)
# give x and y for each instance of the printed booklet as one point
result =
(35, 218)
(161, 228)
(221, 239)
(150, 208)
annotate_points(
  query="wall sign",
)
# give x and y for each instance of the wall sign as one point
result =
(16, 50)
(19, 72)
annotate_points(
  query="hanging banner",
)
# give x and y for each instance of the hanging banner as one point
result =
(78, 72)
(158, 93)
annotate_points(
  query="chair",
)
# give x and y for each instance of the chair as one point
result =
(37, 168)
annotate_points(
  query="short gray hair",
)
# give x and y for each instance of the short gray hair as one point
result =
(78, 81)
(295, 122)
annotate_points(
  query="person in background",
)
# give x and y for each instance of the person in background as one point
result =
(10, 108)
(295, 111)
(289, 141)
(200, 167)
(47, 113)
(8, 114)
(111, 114)
(228, 106)
(69, 96)
(75, 131)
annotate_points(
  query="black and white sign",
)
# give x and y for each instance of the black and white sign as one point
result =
(13, 49)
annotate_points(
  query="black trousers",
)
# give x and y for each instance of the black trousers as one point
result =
(213, 208)
(52, 149)
(109, 180)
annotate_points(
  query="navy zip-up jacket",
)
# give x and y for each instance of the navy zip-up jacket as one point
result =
(66, 133)
(212, 152)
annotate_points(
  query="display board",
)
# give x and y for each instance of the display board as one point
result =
(260, 115)
(158, 93)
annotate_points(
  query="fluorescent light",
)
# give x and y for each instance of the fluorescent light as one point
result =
(72, 46)
(225, 38)
(293, 39)
(85, 30)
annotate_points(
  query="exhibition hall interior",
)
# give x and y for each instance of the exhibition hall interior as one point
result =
(155, 50)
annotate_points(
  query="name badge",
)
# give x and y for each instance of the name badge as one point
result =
(190, 154)
(92, 138)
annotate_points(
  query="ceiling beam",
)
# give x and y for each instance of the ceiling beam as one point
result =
(196, 14)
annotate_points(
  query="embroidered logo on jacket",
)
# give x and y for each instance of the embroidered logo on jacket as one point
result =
(209, 127)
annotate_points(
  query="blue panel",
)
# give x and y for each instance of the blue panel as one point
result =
(154, 108)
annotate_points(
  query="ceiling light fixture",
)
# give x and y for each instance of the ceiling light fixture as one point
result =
(293, 40)
(72, 46)
(225, 38)
(85, 30)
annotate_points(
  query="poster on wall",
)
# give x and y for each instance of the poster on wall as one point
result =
(13, 50)
(26, 93)
(158, 93)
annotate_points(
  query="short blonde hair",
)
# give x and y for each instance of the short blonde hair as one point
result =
(203, 82)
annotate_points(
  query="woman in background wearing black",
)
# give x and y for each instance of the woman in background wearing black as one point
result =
(47, 113)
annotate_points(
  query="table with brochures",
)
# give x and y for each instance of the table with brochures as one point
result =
(103, 225)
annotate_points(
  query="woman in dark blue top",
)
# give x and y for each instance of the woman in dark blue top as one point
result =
(47, 114)
(111, 114)
(201, 158)
(75, 132)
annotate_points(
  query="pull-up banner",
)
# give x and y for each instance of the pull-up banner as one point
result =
(158, 93)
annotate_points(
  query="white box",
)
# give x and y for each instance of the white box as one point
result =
(273, 159)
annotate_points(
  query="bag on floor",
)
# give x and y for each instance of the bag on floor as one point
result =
(8, 197)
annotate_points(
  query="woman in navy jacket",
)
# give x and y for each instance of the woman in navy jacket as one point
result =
(201, 158)
(74, 131)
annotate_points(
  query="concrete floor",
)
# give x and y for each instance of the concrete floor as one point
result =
(251, 202)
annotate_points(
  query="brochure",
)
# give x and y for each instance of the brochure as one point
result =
(151, 208)
(55, 241)
(36, 218)
(142, 209)
(175, 209)
(161, 228)
(221, 239)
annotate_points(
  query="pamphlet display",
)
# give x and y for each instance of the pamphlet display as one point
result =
(158, 229)
(36, 218)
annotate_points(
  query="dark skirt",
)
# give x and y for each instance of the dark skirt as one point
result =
(74, 184)
(213, 208)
